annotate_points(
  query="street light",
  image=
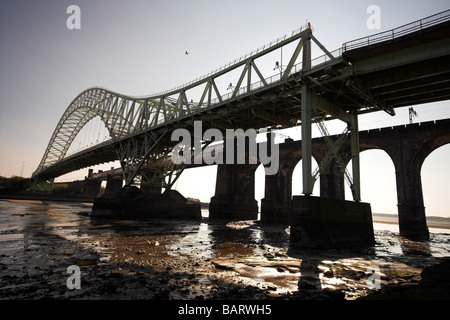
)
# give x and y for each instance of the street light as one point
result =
(279, 65)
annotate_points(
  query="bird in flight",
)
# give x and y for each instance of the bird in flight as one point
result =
(186, 52)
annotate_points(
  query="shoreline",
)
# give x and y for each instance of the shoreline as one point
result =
(431, 223)
(46, 197)
(88, 201)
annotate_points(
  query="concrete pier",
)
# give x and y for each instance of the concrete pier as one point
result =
(235, 193)
(91, 188)
(130, 202)
(276, 206)
(113, 186)
(319, 223)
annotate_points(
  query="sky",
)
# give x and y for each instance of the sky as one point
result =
(137, 47)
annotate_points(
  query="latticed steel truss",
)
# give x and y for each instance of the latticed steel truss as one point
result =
(134, 123)
(138, 126)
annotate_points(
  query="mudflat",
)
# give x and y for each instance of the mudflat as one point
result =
(187, 260)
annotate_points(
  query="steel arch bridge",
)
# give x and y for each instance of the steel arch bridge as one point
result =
(404, 66)
(137, 124)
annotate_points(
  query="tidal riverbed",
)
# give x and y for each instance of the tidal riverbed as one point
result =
(168, 259)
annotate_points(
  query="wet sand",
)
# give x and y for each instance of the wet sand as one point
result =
(156, 259)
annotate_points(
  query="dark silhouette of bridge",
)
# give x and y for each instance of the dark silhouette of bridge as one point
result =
(402, 67)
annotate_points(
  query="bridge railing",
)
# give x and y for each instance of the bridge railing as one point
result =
(231, 63)
(277, 77)
(254, 86)
(325, 58)
(398, 32)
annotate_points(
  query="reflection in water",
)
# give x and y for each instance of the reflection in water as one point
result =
(38, 237)
(196, 244)
(415, 247)
(309, 275)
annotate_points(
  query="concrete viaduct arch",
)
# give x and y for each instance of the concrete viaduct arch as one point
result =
(407, 146)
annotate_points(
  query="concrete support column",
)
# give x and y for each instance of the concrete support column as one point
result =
(332, 183)
(235, 193)
(354, 142)
(113, 186)
(91, 188)
(306, 141)
(306, 121)
(235, 186)
(329, 223)
(411, 211)
(277, 202)
(150, 188)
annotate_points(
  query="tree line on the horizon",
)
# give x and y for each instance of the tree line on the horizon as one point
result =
(15, 184)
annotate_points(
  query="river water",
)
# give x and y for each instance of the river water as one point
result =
(167, 259)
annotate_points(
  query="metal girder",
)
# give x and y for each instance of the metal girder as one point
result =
(294, 57)
(241, 78)
(405, 77)
(370, 102)
(322, 47)
(272, 117)
(254, 67)
(159, 171)
(409, 84)
(330, 108)
(43, 185)
(132, 153)
(332, 154)
(354, 142)
(306, 141)
(353, 180)
(402, 56)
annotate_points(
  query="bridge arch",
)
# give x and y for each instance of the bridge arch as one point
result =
(377, 189)
(429, 146)
(435, 174)
(296, 178)
(119, 114)
(70, 124)
(260, 184)
(437, 143)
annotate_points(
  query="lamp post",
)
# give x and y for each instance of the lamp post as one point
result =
(279, 65)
